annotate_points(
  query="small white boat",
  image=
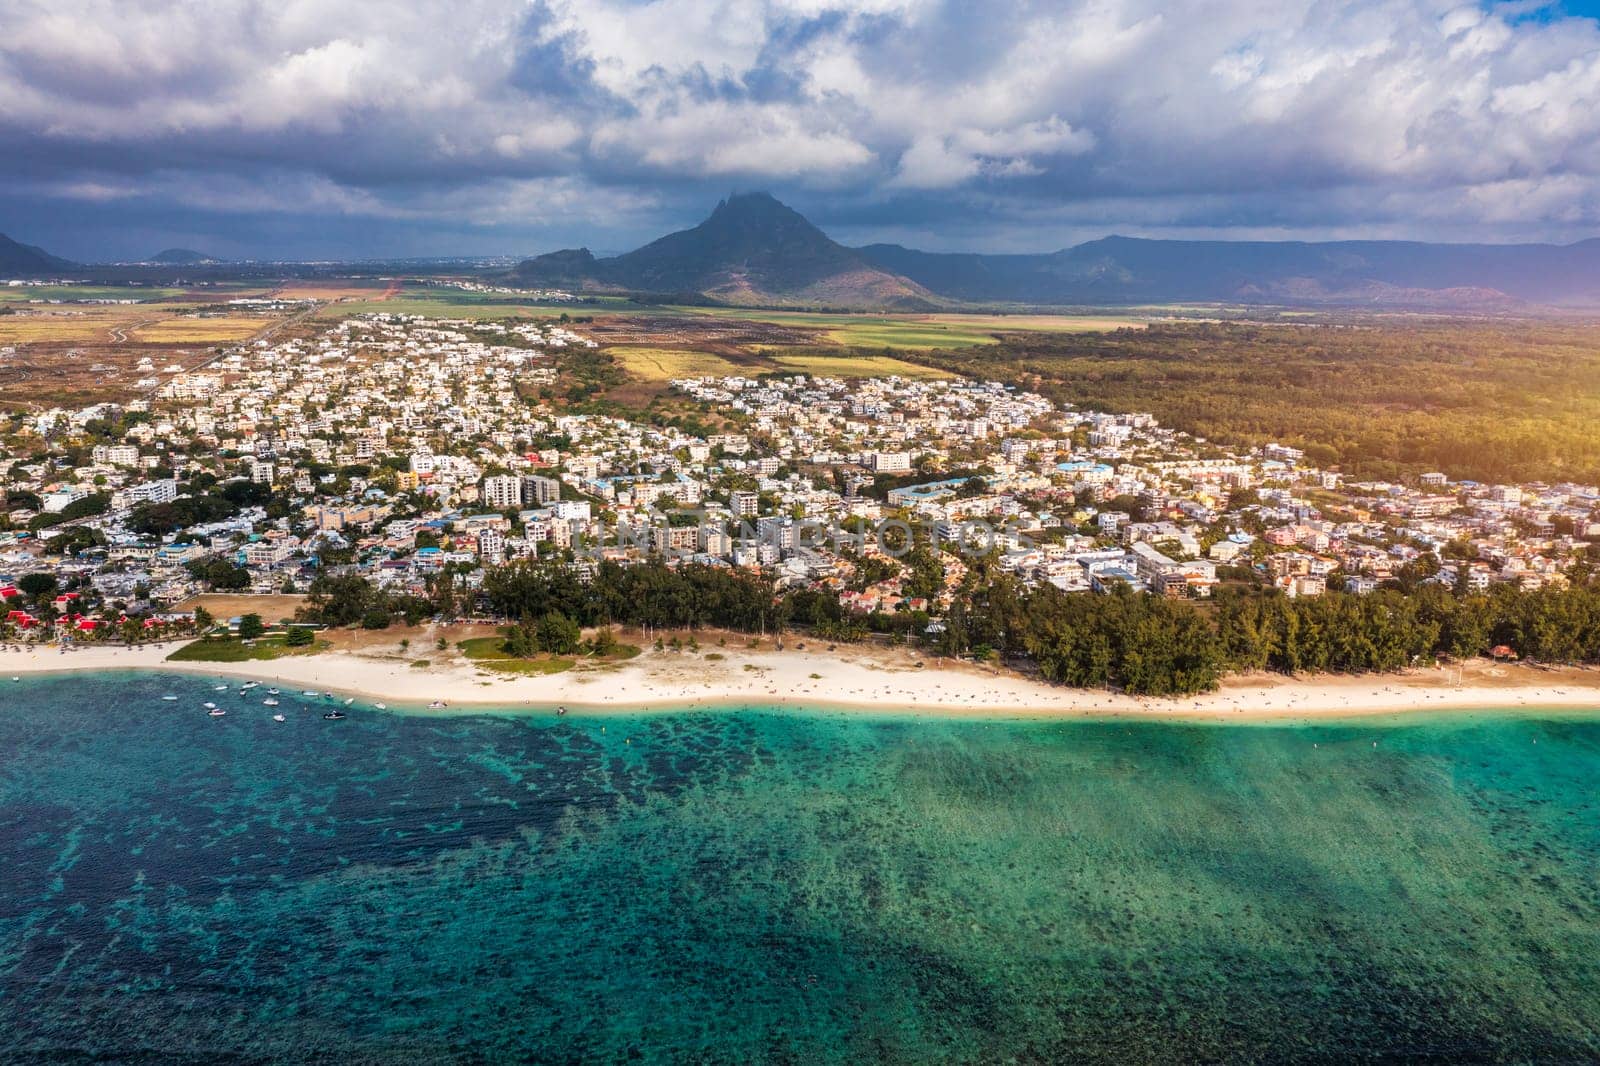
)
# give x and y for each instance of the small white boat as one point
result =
(269, 702)
(349, 701)
(14, 677)
(279, 718)
(272, 692)
(169, 699)
(248, 685)
(216, 712)
(328, 694)
(309, 692)
(209, 705)
(333, 716)
(219, 688)
(381, 706)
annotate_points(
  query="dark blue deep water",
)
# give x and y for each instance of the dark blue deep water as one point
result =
(777, 886)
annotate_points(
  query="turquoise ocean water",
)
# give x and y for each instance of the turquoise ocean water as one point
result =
(782, 886)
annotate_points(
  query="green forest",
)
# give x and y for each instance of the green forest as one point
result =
(1492, 401)
(1144, 645)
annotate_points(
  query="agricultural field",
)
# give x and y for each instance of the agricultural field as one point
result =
(210, 329)
(86, 353)
(922, 331)
(14, 294)
(664, 364)
(660, 365)
(60, 325)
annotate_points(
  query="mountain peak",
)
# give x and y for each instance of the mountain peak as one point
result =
(751, 249)
(759, 205)
(17, 258)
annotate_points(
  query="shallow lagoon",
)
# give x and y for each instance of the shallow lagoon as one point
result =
(786, 886)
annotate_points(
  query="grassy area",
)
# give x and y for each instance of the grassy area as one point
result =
(231, 650)
(664, 364)
(217, 329)
(490, 653)
(24, 293)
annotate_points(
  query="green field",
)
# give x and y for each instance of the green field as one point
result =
(924, 331)
(70, 293)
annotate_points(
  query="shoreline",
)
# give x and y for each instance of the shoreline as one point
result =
(850, 679)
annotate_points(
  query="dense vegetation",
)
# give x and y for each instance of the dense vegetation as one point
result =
(1495, 401)
(211, 504)
(1144, 644)
(1152, 646)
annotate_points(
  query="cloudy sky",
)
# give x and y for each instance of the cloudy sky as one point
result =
(302, 128)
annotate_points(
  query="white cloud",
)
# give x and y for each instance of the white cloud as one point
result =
(1248, 107)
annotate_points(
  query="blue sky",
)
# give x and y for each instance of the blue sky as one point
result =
(292, 129)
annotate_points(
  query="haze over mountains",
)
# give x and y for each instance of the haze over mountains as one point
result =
(753, 250)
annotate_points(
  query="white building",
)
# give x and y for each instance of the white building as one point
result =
(502, 493)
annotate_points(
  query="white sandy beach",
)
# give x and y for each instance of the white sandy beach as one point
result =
(871, 679)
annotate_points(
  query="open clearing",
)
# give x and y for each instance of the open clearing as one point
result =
(224, 605)
(126, 324)
(218, 329)
(660, 365)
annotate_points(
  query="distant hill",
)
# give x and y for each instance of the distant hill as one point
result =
(24, 260)
(1344, 273)
(754, 250)
(751, 250)
(182, 257)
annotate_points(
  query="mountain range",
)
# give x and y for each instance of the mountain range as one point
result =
(754, 250)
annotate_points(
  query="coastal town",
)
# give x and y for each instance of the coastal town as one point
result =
(398, 447)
